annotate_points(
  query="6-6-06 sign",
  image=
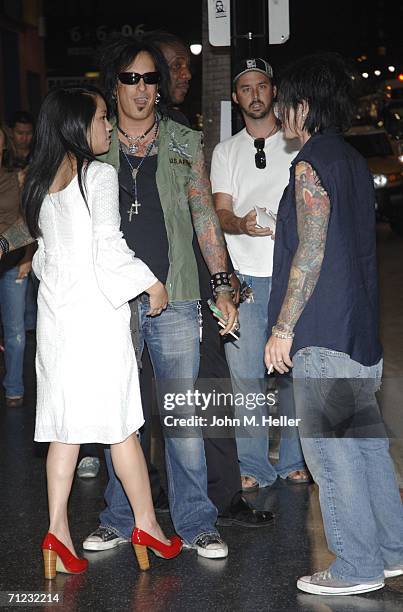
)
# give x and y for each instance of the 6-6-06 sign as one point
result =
(101, 32)
(71, 47)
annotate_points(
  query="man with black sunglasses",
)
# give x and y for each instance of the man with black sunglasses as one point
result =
(164, 191)
(249, 173)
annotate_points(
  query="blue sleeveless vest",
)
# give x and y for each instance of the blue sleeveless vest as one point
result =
(342, 313)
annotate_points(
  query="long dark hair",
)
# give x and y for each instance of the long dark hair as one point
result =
(323, 81)
(63, 124)
(117, 54)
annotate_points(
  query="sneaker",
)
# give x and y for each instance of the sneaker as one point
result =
(88, 467)
(211, 546)
(393, 570)
(323, 583)
(103, 538)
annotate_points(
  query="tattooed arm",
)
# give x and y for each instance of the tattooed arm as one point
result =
(205, 220)
(17, 235)
(208, 231)
(313, 210)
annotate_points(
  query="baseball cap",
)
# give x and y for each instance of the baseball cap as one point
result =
(247, 65)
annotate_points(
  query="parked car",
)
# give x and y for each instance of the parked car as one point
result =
(385, 161)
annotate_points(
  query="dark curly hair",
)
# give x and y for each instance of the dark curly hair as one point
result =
(323, 81)
(117, 54)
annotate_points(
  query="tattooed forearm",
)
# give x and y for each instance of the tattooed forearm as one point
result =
(313, 210)
(205, 220)
(18, 235)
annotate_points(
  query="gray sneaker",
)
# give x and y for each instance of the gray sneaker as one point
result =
(210, 546)
(88, 467)
(393, 570)
(323, 583)
(103, 538)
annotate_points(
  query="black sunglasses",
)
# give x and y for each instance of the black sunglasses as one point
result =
(132, 78)
(260, 155)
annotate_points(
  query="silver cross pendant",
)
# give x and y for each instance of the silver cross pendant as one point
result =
(133, 210)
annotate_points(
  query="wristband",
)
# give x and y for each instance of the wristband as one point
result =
(220, 280)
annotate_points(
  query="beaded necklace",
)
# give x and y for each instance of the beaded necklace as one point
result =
(134, 141)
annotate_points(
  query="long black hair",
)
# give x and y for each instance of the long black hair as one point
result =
(324, 82)
(117, 54)
(62, 129)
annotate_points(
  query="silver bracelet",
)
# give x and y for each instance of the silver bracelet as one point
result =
(283, 335)
(224, 289)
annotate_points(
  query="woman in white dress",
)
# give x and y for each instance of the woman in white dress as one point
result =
(87, 379)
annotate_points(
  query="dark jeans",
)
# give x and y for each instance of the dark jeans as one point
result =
(224, 477)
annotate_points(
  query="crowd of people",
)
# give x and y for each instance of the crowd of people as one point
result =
(132, 238)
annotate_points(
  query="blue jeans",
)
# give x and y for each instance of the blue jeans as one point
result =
(245, 359)
(12, 305)
(172, 339)
(359, 497)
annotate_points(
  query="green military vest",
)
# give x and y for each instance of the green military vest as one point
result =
(179, 147)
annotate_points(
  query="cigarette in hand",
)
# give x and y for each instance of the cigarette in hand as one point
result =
(271, 369)
(221, 324)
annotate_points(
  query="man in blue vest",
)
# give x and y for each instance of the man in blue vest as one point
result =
(324, 316)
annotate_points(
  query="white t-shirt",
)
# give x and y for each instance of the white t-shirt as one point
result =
(233, 172)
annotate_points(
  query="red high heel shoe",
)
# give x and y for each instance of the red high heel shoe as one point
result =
(58, 558)
(141, 540)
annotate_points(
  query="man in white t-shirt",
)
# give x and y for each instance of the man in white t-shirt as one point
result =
(251, 169)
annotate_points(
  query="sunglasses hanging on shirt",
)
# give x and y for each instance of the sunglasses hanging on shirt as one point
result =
(260, 155)
(132, 78)
(259, 144)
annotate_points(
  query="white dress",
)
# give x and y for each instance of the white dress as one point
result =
(87, 377)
